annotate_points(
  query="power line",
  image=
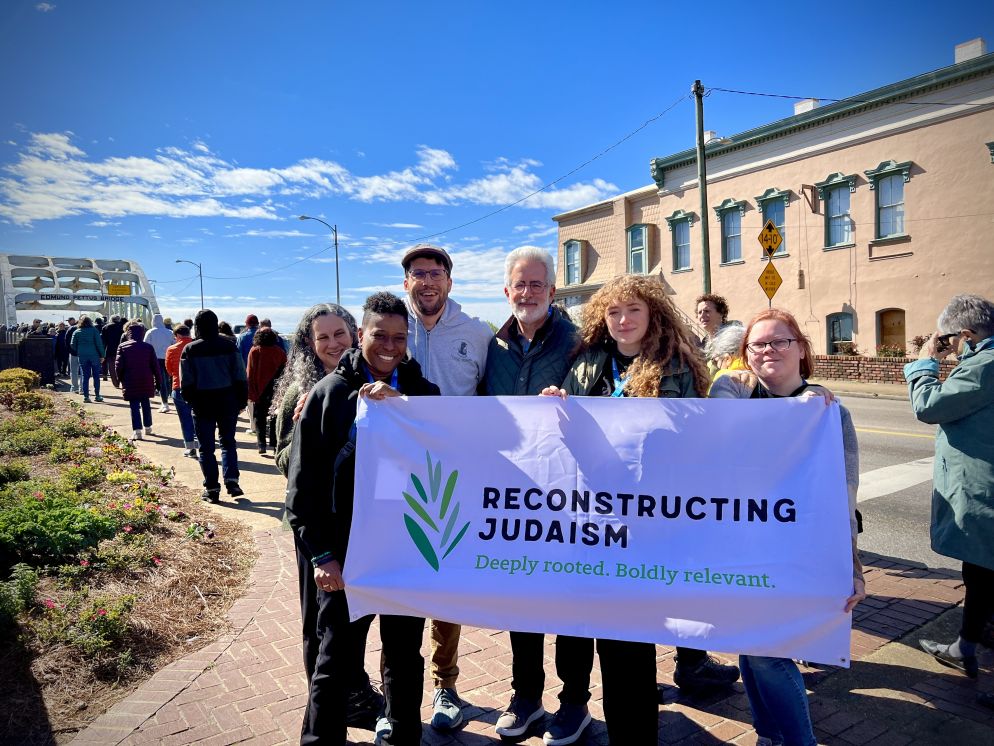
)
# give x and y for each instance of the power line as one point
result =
(846, 100)
(490, 214)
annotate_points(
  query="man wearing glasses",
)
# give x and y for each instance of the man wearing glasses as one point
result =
(451, 348)
(534, 349)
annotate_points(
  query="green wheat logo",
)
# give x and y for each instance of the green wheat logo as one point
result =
(431, 513)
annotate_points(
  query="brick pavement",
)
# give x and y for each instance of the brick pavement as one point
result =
(249, 686)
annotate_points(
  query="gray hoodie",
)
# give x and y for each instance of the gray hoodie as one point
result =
(453, 355)
(159, 337)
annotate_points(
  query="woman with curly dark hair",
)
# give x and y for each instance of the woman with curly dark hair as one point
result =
(325, 332)
(634, 344)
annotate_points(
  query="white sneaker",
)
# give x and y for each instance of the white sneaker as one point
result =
(148, 430)
(164, 409)
(137, 435)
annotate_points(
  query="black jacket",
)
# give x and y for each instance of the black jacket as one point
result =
(513, 372)
(321, 475)
(212, 375)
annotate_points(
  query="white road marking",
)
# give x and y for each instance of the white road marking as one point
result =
(890, 479)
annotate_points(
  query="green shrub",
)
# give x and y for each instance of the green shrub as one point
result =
(28, 378)
(68, 450)
(14, 471)
(125, 553)
(24, 422)
(8, 390)
(76, 427)
(31, 400)
(890, 351)
(86, 474)
(28, 442)
(47, 526)
(17, 594)
(134, 515)
(92, 625)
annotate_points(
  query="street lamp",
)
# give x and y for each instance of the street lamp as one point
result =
(334, 232)
(200, 272)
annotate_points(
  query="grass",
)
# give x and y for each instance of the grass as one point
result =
(92, 614)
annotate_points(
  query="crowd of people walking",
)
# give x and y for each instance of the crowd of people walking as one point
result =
(302, 395)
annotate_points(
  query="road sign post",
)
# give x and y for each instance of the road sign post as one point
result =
(770, 280)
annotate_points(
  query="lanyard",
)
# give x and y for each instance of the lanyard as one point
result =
(619, 380)
(393, 379)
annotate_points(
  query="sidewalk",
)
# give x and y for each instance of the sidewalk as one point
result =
(248, 686)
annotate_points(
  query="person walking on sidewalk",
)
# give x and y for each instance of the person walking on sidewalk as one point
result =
(138, 371)
(212, 381)
(173, 353)
(265, 364)
(319, 506)
(451, 348)
(963, 485)
(87, 346)
(160, 337)
(244, 341)
(111, 335)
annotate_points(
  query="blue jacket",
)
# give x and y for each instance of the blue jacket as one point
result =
(86, 343)
(963, 476)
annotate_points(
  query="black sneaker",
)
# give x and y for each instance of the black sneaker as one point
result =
(211, 496)
(363, 707)
(707, 674)
(966, 663)
(567, 725)
(519, 716)
(233, 489)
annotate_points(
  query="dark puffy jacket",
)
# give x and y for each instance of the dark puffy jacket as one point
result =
(513, 372)
(212, 373)
(111, 335)
(321, 476)
(136, 366)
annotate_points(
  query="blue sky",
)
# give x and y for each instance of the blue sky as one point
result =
(200, 130)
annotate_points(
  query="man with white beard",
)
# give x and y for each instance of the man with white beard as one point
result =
(535, 349)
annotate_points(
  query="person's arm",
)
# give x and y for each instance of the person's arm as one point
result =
(188, 377)
(153, 364)
(239, 380)
(969, 387)
(251, 372)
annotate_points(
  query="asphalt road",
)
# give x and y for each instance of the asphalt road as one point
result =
(895, 480)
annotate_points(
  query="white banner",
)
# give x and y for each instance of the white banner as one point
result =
(715, 524)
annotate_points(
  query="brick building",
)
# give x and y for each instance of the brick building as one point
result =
(885, 201)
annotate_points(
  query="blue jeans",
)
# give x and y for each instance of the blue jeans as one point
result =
(185, 417)
(165, 382)
(205, 423)
(89, 367)
(778, 700)
(141, 411)
(74, 372)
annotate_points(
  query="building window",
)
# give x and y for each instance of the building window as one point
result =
(638, 249)
(679, 223)
(573, 253)
(840, 334)
(773, 204)
(835, 191)
(887, 181)
(729, 215)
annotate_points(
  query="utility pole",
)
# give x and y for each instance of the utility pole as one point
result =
(702, 183)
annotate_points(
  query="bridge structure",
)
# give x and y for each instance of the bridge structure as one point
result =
(51, 285)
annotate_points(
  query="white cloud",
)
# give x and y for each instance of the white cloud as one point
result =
(274, 234)
(45, 7)
(103, 223)
(53, 178)
(397, 225)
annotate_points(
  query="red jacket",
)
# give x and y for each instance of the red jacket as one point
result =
(172, 359)
(264, 364)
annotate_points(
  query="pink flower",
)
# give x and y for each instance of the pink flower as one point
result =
(128, 529)
(156, 561)
(49, 603)
(39, 495)
(84, 563)
(111, 506)
(102, 612)
(127, 506)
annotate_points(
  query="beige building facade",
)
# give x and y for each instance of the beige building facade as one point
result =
(885, 202)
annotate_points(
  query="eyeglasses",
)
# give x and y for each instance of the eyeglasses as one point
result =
(777, 345)
(424, 274)
(535, 287)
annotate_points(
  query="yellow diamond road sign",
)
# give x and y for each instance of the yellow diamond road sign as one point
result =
(770, 280)
(770, 238)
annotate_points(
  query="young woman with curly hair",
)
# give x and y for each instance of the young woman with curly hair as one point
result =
(634, 344)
